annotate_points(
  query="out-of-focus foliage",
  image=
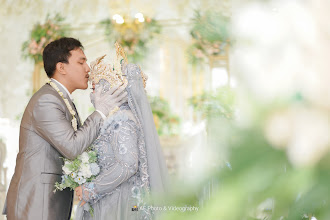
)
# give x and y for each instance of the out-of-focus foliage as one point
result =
(210, 33)
(214, 104)
(167, 123)
(278, 143)
(43, 34)
(262, 183)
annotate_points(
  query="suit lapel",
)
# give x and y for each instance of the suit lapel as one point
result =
(66, 95)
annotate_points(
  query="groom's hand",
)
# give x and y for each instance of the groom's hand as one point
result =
(105, 102)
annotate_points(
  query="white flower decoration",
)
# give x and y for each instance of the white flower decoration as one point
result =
(80, 180)
(74, 120)
(95, 169)
(84, 157)
(86, 171)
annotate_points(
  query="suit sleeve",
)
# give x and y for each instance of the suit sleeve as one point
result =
(51, 124)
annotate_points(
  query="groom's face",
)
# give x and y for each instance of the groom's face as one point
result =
(77, 70)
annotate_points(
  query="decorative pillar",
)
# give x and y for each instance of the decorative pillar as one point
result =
(39, 76)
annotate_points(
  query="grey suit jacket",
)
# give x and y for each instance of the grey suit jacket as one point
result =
(46, 134)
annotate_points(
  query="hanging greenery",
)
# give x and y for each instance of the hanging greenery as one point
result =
(210, 33)
(41, 35)
(133, 34)
(166, 122)
(214, 104)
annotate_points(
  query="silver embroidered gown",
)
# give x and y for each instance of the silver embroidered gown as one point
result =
(132, 166)
(114, 193)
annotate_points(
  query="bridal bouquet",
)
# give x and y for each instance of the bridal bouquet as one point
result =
(78, 171)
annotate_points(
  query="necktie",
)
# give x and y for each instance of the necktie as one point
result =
(78, 118)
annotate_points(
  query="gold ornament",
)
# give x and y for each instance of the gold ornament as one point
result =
(120, 52)
(144, 77)
(112, 72)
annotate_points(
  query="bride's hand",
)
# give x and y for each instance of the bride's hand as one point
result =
(110, 99)
(78, 191)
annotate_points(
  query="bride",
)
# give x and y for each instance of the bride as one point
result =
(129, 153)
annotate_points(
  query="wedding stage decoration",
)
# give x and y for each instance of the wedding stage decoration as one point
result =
(40, 36)
(216, 108)
(278, 142)
(167, 123)
(134, 34)
(210, 33)
(214, 104)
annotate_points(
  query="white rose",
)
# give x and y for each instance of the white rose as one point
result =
(95, 169)
(84, 157)
(85, 170)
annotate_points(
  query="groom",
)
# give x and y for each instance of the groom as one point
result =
(48, 132)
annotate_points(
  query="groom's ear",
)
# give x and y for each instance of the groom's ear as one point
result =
(60, 68)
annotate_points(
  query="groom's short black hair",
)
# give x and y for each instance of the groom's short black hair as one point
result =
(58, 51)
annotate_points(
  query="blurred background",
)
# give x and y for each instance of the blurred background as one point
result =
(239, 91)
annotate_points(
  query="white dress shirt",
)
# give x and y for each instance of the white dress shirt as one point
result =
(67, 91)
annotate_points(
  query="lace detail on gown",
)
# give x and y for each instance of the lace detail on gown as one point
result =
(119, 154)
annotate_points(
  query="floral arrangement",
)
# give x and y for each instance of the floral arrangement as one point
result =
(78, 171)
(166, 122)
(214, 104)
(210, 33)
(41, 35)
(133, 34)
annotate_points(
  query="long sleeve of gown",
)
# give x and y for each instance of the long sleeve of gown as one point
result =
(118, 159)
